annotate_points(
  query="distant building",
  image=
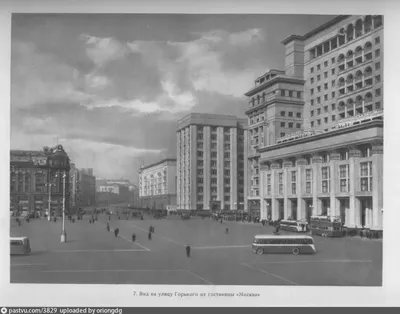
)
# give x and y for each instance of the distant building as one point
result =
(211, 173)
(111, 191)
(157, 184)
(83, 187)
(36, 180)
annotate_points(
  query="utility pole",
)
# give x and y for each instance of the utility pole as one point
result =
(63, 233)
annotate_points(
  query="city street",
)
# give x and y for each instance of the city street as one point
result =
(93, 255)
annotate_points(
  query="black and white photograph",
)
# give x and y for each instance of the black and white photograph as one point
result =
(172, 149)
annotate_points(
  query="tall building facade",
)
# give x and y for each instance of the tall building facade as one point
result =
(157, 184)
(275, 109)
(334, 165)
(36, 180)
(211, 173)
(82, 188)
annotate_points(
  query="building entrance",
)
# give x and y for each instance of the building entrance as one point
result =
(309, 209)
(325, 206)
(344, 204)
(366, 211)
(293, 209)
(281, 209)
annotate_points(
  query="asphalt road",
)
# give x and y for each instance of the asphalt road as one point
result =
(93, 255)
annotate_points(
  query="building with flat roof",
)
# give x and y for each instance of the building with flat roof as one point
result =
(157, 184)
(211, 150)
(36, 180)
(333, 165)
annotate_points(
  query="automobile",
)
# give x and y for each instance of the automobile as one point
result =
(20, 246)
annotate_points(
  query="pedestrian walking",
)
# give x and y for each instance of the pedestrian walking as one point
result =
(226, 230)
(133, 237)
(149, 237)
(188, 250)
(153, 229)
(109, 217)
(116, 232)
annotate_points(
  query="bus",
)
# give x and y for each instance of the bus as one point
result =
(294, 225)
(20, 245)
(276, 244)
(326, 226)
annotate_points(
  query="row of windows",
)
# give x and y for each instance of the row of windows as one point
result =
(345, 36)
(260, 99)
(214, 154)
(290, 114)
(290, 125)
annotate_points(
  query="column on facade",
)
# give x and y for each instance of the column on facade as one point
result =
(377, 185)
(220, 166)
(300, 183)
(178, 170)
(287, 164)
(316, 171)
(334, 156)
(233, 168)
(274, 188)
(206, 167)
(262, 190)
(354, 214)
(246, 171)
(192, 165)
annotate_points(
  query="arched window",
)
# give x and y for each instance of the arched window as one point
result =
(368, 71)
(258, 99)
(367, 24)
(349, 79)
(358, 75)
(349, 54)
(368, 97)
(350, 32)
(350, 102)
(341, 104)
(358, 28)
(342, 39)
(341, 57)
(358, 50)
(341, 82)
(368, 46)
(358, 100)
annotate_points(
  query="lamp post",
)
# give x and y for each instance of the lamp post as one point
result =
(63, 232)
(49, 184)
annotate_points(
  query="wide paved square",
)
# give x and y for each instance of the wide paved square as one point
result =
(93, 255)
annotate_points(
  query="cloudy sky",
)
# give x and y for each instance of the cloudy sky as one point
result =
(110, 88)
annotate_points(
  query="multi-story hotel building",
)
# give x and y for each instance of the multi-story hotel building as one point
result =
(211, 150)
(157, 184)
(335, 166)
(36, 180)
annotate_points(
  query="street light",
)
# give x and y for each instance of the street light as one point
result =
(63, 232)
(50, 185)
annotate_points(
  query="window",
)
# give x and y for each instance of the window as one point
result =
(319, 100)
(213, 163)
(199, 145)
(290, 93)
(200, 180)
(326, 120)
(325, 64)
(319, 89)
(199, 154)
(309, 180)
(326, 109)
(377, 53)
(333, 60)
(318, 77)
(227, 181)
(312, 124)
(199, 136)
(213, 180)
(333, 94)
(200, 189)
(318, 111)
(312, 102)
(227, 164)
(213, 137)
(333, 107)
(319, 121)
(333, 83)
(344, 178)
(290, 125)
(282, 92)
(298, 94)
(282, 134)
(298, 125)
(318, 67)
(377, 79)
(325, 97)
(333, 71)
(377, 92)
(377, 66)
(213, 172)
(312, 91)
(290, 114)
(283, 113)
(312, 69)
(294, 182)
(227, 172)
(280, 178)
(326, 74)
(333, 118)
(298, 114)
(325, 179)
(282, 124)
(377, 40)
(326, 86)
(227, 155)
(366, 176)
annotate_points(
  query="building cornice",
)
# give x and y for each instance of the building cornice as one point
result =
(274, 80)
(158, 163)
(299, 102)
